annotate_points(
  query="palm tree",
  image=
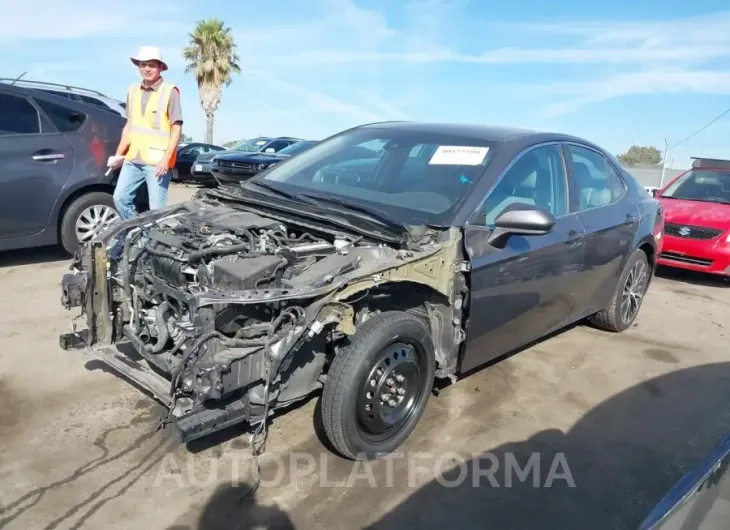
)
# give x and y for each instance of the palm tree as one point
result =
(211, 54)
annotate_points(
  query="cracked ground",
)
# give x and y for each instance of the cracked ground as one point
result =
(629, 413)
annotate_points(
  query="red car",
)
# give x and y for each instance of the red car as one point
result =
(697, 218)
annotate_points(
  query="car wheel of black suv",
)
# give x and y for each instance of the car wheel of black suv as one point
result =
(378, 386)
(628, 296)
(86, 217)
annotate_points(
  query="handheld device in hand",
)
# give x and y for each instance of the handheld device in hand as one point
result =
(111, 161)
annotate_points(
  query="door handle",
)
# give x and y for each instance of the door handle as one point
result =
(574, 237)
(49, 157)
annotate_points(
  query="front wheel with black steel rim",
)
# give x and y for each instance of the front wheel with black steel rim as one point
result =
(378, 386)
(628, 296)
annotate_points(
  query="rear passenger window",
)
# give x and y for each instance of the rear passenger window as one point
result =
(596, 181)
(65, 120)
(66, 95)
(18, 116)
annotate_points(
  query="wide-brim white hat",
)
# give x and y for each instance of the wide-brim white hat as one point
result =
(149, 53)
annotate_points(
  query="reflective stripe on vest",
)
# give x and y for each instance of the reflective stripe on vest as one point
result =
(149, 132)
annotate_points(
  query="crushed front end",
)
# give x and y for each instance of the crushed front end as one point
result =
(220, 312)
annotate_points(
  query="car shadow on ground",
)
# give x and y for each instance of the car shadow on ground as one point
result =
(33, 256)
(236, 507)
(608, 471)
(692, 277)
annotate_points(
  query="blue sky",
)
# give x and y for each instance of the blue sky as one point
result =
(618, 73)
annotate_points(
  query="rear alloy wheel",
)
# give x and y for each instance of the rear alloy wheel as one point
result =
(633, 292)
(86, 218)
(628, 296)
(378, 386)
(93, 221)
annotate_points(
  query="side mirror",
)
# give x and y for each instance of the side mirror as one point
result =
(654, 193)
(269, 150)
(520, 219)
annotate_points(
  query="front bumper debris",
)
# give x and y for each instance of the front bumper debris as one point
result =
(187, 426)
(73, 289)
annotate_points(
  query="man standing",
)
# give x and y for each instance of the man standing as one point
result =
(148, 148)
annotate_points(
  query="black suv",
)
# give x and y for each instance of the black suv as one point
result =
(54, 186)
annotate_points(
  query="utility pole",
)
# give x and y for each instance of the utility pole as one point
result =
(664, 162)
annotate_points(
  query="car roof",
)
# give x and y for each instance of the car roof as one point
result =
(58, 87)
(494, 133)
(717, 164)
(98, 113)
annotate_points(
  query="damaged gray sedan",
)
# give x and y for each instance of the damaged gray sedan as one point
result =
(368, 266)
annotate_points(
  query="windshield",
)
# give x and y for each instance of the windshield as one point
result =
(251, 146)
(293, 149)
(707, 185)
(415, 177)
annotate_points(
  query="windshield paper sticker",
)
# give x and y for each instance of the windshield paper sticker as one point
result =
(459, 155)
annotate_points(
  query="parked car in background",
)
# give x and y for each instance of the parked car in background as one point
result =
(697, 213)
(186, 155)
(462, 244)
(202, 171)
(236, 167)
(85, 95)
(53, 182)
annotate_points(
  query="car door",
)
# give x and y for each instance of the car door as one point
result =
(35, 162)
(610, 220)
(186, 157)
(523, 291)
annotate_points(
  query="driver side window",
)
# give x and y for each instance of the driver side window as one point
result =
(191, 151)
(537, 178)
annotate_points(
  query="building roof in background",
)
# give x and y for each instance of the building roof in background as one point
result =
(652, 176)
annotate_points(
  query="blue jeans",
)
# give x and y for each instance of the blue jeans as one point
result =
(131, 178)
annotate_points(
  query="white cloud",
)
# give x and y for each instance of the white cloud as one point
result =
(310, 63)
(316, 101)
(578, 94)
(54, 19)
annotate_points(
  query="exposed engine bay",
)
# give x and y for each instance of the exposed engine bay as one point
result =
(231, 313)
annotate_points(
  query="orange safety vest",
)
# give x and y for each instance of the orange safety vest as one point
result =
(149, 133)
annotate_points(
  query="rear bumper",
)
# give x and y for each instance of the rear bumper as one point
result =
(701, 256)
(201, 169)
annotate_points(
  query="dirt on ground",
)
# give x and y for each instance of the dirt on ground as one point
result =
(586, 429)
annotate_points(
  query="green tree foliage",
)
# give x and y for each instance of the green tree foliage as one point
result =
(641, 156)
(211, 55)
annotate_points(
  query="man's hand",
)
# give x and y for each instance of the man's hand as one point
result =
(162, 168)
(115, 162)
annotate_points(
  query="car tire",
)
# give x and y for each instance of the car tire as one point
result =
(634, 279)
(80, 205)
(390, 354)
